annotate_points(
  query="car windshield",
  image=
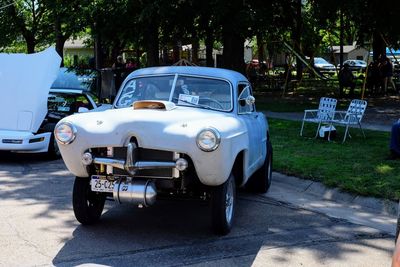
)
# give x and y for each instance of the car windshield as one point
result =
(70, 79)
(199, 92)
(66, 103)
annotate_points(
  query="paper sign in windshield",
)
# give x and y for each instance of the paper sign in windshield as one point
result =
(188, 99)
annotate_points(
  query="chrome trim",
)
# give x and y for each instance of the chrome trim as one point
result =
(175, 172)
(110, 153)
(217, 136)
(116, 163)
(130, 162)
(73, 128)
(144, 165)
(131, 165)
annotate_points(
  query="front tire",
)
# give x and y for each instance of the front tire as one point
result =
(53, 152)
(223, 203)
(87, 205)
(261, 180)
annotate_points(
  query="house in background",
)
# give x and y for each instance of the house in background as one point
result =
(350, 52)
(77, 50)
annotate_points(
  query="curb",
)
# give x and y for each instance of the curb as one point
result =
(317, 189)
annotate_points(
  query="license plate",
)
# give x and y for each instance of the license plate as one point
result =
(100, 183)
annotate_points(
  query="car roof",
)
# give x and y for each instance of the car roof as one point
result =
(67, 79)
(230, 75)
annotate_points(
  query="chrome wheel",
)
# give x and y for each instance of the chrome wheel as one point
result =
(229, 203)
(223, 201)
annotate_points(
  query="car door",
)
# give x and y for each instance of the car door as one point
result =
(255, 125)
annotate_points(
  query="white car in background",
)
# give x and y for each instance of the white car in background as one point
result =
(324, 66)
(356, 65)
(36, 101)
(176, 132)
(23, 104)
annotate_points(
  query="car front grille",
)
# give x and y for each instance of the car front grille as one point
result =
(142, 154)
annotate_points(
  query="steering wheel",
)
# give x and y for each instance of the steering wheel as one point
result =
(211, 102)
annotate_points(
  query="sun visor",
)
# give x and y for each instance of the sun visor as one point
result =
(25, 81)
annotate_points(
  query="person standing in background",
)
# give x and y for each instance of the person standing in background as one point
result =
(387, 74)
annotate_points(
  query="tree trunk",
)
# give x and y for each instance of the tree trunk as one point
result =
(152, 44)
(233, 56)
(209, 42)
(30, 44)
(98, 52)
(60, 39)
(138, 54)
(378, 45)
(176, 51)
(195, 49)
(260, 46)
(341, 47)
(297, 39)
(165, 58)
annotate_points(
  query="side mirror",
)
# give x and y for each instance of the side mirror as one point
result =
(82, 109)
(250, 100)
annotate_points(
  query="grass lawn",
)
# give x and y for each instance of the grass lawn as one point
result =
(358, 166)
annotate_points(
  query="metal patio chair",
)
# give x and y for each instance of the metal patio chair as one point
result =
(352, 117)
(324, 113)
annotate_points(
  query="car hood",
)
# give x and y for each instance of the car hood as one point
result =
(147, 124)
(25, 81)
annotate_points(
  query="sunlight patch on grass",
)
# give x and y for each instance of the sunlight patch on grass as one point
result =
(384, 169)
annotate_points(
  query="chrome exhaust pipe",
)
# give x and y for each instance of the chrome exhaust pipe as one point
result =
(140, 192)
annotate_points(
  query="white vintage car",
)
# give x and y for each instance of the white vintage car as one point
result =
(174, 132)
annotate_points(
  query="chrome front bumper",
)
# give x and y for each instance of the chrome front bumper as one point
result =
(131, 165)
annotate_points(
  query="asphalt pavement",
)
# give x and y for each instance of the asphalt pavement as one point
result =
(291, 225)
(297, 223)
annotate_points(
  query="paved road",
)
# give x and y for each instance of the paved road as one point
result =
(37, 227)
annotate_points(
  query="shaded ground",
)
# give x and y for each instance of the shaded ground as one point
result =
(37, 227)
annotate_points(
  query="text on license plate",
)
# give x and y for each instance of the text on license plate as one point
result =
(100, 183)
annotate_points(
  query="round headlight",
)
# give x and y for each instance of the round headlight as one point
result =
(65, 132)
(208, 139)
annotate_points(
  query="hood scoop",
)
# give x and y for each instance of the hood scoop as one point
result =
(154, 104)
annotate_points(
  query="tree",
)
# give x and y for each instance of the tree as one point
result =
(29, 19)
(373, 19)
(68, 19)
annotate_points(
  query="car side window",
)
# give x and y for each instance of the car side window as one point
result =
(244, 91)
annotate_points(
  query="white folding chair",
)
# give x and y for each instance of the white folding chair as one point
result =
(324, 113)
(352, 117)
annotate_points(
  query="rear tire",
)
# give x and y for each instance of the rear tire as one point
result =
(223, 203)
(261, 180)
(87, 205)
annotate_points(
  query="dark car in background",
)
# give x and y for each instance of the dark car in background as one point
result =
(72, 92)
